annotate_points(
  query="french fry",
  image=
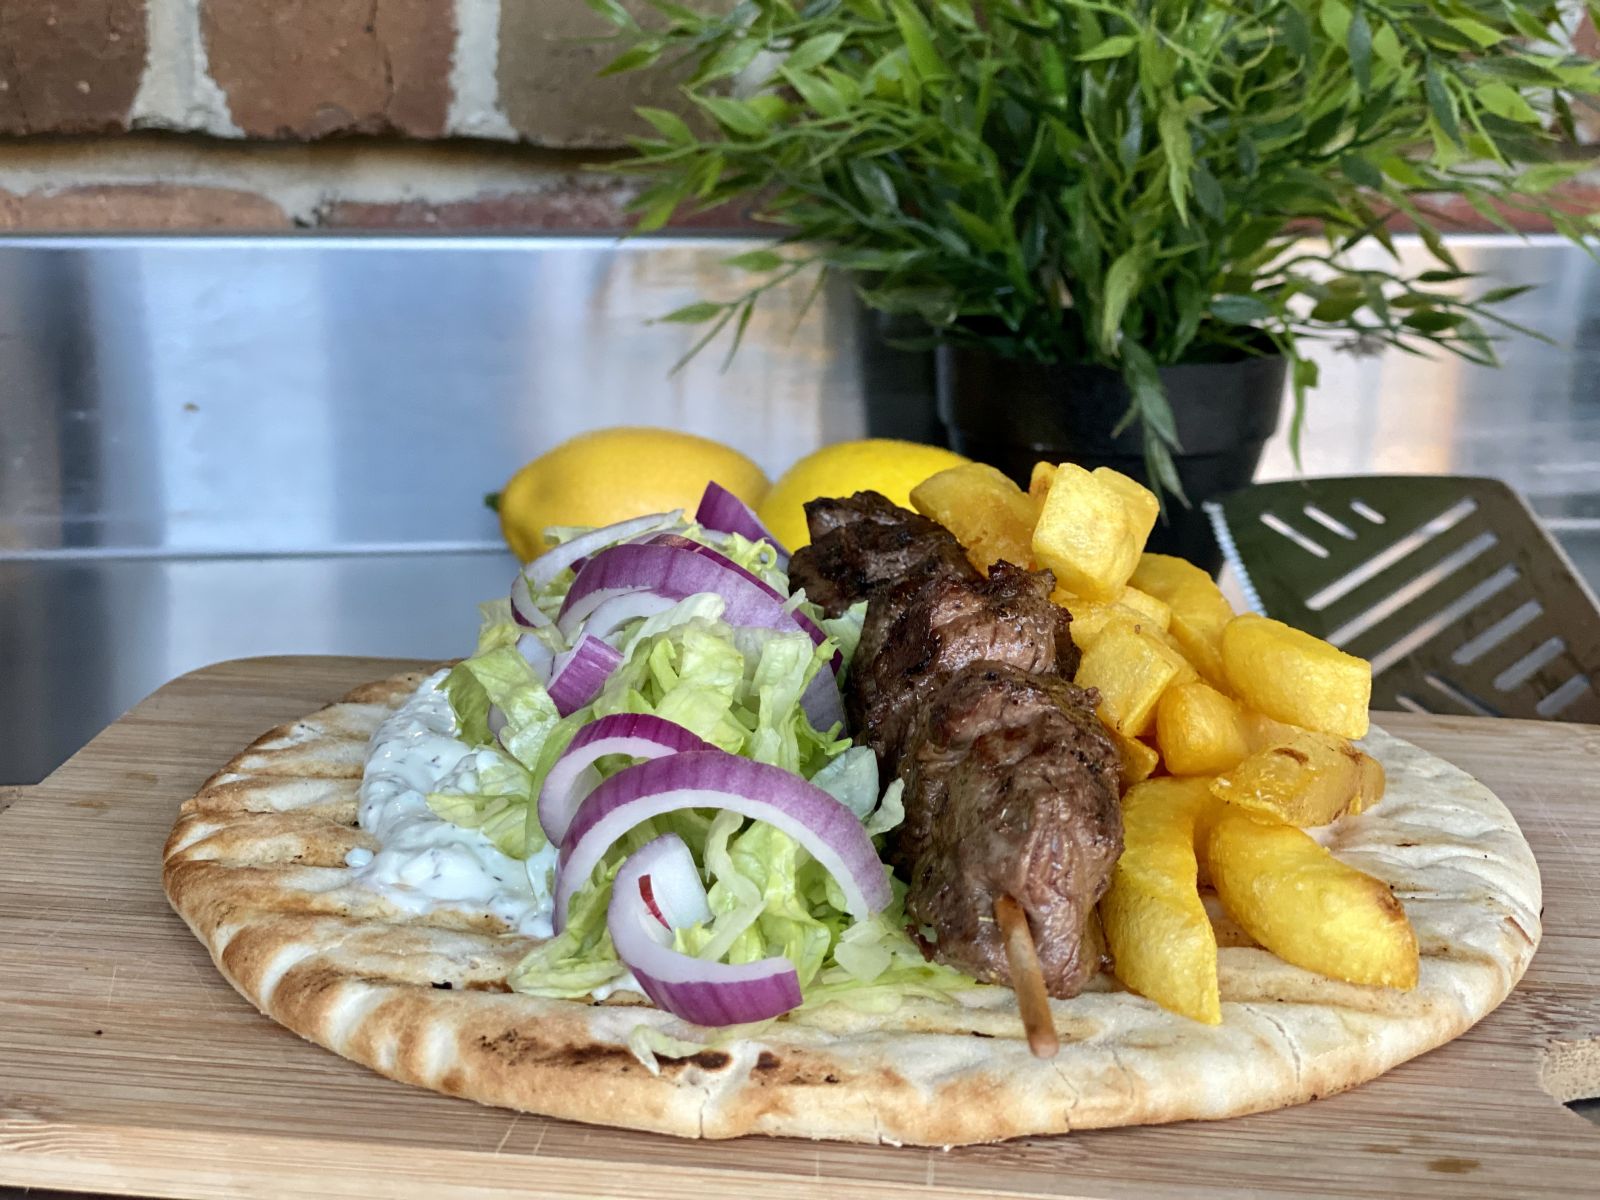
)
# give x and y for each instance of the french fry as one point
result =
(1155, 924)
(1039, 486)
(1303, 778)
(990, 516)
(1295, 677)
(1131, 669)
(1307, 907)
(1199, 730)
(1199, 611)
(1373, 783)
(1142, 506)
(1154, 611)
(1139, 759)
(1088, 534)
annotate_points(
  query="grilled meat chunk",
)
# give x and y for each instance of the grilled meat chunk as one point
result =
(960, 687)
(1011, 789)
(861, 544)
(923, 631)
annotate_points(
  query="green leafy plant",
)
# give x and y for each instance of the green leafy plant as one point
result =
(1129, 184)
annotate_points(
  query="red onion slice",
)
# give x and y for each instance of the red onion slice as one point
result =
(721, 510)
(540, 657)
(577, 675)
(523, 610)
(703, 993)
(542, 570)
(674, 568)
(713, 779)
(638, 735)
(612, 614)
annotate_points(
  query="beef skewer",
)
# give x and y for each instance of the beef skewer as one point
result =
(961, 688)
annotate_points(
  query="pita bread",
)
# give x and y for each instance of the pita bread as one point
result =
(255, 865)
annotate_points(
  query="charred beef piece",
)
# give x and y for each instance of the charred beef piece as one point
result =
(862, 544)
(924, 630)
(960, 687)
(1011, 786)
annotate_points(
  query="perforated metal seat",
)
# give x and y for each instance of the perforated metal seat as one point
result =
(1449, 585)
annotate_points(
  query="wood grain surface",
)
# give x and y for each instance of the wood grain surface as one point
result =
(128, 1065)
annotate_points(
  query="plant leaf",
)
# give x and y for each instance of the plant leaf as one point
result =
(757, 260)
(1120, 281)
(875, 184)
(814, 51)
(1112, 47)
(668, 124)
(693, 314)
(1442, 103)
(1358, 43)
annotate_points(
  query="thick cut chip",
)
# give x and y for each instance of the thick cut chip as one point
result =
(1087, 533)
(1039, 485)
(1307, 907)
(1157, 612)
(1199, 730)
(1139, 759)
(1199, 611)
(1160, 937)
(1090, 619)
(1142, 505)
(1131, 669)
(1291, 676)
(990, 516)
(1298, 776)
(1373, 783)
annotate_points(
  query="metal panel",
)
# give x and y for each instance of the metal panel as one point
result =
(217, 447)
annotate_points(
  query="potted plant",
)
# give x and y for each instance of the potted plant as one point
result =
(1100, 212)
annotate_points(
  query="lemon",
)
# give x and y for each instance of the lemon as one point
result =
(612, 474)
(875, 464)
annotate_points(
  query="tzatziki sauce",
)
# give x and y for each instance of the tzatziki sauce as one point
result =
(425, 862)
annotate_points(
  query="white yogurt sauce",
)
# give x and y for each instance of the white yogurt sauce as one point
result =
(425, 862)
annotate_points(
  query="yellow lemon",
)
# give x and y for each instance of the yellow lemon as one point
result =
(613, 474)
(875, 464)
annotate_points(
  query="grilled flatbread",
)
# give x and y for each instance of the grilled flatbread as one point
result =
(255, 865)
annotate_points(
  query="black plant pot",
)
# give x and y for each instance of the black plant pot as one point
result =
(1012, 413)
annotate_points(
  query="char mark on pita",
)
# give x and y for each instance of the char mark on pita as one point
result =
(960, 687)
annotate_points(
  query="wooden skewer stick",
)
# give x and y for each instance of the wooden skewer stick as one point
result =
(1026, 978)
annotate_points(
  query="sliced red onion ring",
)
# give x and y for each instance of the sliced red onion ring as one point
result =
(674, 568)
(558, 558)
(638, 735)
(713, 779)
(721, 510)
(611, 615)
(704, 993)
(679, 542)
(523, 610)
(577, 675)
(540, 657)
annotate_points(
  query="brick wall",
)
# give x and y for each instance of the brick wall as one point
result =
(351, 114)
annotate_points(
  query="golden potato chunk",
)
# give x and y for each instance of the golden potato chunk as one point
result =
(1139, 759)
(1143, 507)
(1160, 937)
(1039, 485)
(1090, 619)
(1307, 907)
(990, 516)
(1294, 677)
(1199, 611)
(1199, 730)
(1088, 533)
(1146, 606)
(1131, 669)
(1373, 783)
(1301, 777)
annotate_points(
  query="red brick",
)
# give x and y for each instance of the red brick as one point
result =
(71, 66)
(548, 77)
(154, 206)
(309, 68)
(575, 206)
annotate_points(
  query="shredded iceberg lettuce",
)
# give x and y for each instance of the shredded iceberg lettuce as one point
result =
(739, 689)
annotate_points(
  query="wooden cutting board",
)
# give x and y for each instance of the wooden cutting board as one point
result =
(128, 1065)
